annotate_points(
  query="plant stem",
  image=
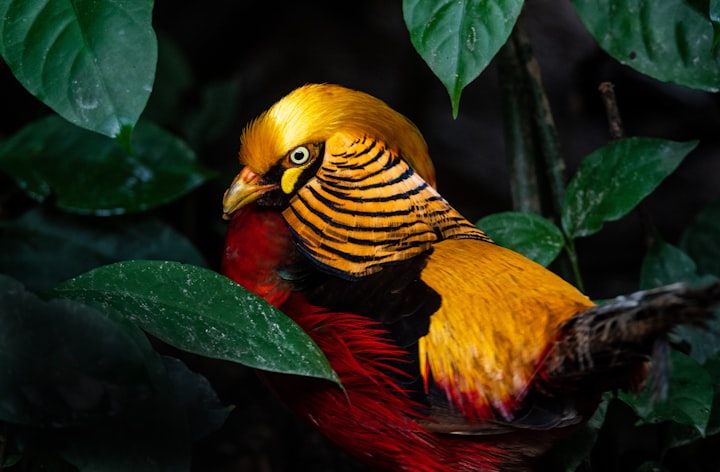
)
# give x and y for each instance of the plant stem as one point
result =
(518, 133)
(531, 141)
(543, 121)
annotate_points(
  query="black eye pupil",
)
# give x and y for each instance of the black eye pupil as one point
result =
(300, 155)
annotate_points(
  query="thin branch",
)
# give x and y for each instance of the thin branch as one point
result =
(615, 125)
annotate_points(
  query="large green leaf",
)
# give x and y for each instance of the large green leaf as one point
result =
(527, 233)
(92, 62)
(612, 180)
(88, 173)
(689, 397)
(666, 264)
(79, 383)
(701, 240)
(458, 39)
(670, 40)
(43, 247)
(203, 312)
(54, 353)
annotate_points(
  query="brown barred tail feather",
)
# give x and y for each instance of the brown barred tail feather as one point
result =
(607, 344)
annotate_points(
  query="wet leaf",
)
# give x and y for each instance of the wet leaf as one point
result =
(203, 312)
(527, 233)
(44, 159)
(612, 180)
(457, 39)
(92, 62)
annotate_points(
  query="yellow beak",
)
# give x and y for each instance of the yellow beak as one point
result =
(243, 190)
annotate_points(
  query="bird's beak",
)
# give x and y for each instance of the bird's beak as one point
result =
(245, 188)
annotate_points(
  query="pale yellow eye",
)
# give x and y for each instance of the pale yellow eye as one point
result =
(299, 156)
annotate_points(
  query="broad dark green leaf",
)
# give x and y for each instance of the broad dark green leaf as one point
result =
(457, 39)
(670, 40)
(701, 240)
(43, 247)
(666, 264)
(527, 233)
(65, 363)
(203, 312)
(90, 174)
(80, 384)
(205, 412)
(92, 62)
(678, 435)
(612, 180)
(689, 397)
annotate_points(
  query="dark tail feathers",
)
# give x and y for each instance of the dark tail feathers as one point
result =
(608, 346)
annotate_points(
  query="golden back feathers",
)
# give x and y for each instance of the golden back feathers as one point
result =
(500, 313)
(315, 112)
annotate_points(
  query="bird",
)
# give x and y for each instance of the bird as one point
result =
(453, 352)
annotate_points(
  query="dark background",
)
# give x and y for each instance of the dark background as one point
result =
(262, 50)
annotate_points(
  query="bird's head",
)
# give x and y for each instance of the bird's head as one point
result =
(284, 147)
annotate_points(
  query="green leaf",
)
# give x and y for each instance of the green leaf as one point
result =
(43, 247)
(205, 412)
(612, 180)
(689, 397)
(90, 174)
(670, 40)
(92, 62)
(701, 240)
(457, 39)
(527, 233)
(666, 264)
(678, 435)
(203, 312)
(65, 364)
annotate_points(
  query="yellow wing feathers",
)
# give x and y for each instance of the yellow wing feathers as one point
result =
(498, 312)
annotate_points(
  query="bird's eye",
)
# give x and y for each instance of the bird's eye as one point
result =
(299, 156)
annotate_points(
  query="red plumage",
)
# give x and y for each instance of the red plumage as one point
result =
(374, 413)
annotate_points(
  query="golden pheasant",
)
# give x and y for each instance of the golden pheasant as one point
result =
(454, 353)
